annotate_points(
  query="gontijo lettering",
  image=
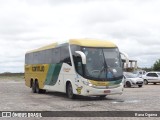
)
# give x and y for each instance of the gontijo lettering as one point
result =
(38, 68)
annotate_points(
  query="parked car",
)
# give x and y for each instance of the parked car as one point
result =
(139, 73)
(131, 80)
(151, 77)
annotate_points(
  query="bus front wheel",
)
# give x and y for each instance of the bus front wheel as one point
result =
(69, 91)
(102, 97)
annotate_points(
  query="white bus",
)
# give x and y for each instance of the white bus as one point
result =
(79, 67)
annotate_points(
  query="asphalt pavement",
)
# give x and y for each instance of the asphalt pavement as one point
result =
(15, 96)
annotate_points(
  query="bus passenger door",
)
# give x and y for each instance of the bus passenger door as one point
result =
(79, 72)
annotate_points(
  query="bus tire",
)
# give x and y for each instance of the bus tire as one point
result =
(38, 90)
(102, 97)
(33, 86)
(69, 91)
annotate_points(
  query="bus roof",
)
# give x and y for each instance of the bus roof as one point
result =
(44, 48)
(80, 42)
(92, 43)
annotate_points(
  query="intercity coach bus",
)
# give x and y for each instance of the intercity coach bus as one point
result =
(80, 67)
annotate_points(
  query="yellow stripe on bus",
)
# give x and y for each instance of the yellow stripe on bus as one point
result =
(92, 43)
(99, 83)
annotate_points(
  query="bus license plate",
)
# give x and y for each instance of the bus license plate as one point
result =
(107, 91)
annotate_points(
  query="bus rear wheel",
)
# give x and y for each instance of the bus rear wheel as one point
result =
(69, 91)
(38, 90)
(33, 86)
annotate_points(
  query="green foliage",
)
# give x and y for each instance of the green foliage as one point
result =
(156, 65)
(147, 69)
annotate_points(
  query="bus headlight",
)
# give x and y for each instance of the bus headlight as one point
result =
(87, 83)
(90, 84)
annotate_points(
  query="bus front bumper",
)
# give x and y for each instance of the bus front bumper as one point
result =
(91, 91)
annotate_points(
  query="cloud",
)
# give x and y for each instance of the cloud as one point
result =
(26, 24)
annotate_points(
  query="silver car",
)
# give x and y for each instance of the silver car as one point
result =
(131, 79)
(151, 77)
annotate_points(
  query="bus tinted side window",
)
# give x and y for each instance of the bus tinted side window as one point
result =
(30, 58)
(65, 57)
(35, 58)
(41, 57)
(48, 57)
(55, 56)
(26, 58)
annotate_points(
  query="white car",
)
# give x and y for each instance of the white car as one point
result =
(151, 77)
(139, 73)
(131, 80)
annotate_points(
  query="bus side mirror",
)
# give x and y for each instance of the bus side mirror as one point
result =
(83, 56)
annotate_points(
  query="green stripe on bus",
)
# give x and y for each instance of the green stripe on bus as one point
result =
(53, 73)
(115, 82)
(118, 81)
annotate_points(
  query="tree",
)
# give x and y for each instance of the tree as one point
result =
(147, 69)
(156, 65)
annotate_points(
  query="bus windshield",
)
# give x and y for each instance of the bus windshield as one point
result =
(102, 63)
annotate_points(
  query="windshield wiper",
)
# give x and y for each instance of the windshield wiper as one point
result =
(104, 65)
(103, 69)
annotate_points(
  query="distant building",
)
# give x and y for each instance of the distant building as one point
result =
(131, 66)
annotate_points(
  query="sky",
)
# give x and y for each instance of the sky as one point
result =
(133, 25)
